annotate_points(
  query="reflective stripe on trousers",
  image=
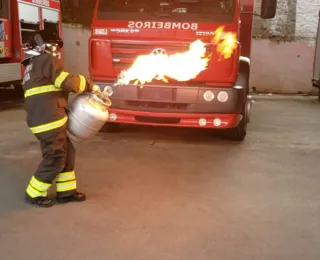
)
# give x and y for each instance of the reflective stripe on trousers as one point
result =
(49, 126)
(37, 188)
(66, 181)
(41, 90)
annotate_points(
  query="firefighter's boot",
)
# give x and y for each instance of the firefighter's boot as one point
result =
(77, 197)
(42, 202)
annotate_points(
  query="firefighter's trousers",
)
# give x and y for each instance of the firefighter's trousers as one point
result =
(57, 165)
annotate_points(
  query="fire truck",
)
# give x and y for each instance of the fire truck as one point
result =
(19, 19)
(316, 63)
(218, 97)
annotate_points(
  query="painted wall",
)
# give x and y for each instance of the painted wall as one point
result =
(76, 48)
(282, 60)
(282, 50)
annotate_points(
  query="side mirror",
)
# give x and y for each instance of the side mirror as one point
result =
(268, 9)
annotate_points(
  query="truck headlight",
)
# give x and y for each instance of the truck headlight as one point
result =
(222, 96)
(208, 96)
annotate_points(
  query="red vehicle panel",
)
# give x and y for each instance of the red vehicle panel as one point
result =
(19, 20)
(217, 97)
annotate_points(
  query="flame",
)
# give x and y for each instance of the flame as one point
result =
(179, 66)
(226, 42)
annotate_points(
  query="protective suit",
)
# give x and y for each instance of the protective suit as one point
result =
(46, 86)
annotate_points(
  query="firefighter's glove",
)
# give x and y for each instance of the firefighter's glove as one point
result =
(91, 87)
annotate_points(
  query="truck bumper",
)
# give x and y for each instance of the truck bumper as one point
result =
(178, 106)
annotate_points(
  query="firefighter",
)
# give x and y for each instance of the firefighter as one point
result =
(46, 86)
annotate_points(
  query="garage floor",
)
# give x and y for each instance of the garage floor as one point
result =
(169, 194)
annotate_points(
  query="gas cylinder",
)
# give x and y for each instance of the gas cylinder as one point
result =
(87, 115)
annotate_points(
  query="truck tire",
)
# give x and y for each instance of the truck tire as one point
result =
(111, 128)
(239, 132)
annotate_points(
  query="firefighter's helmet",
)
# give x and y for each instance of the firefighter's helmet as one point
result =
(44, 41)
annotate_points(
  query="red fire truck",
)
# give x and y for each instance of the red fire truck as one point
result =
(19, 19)
(216, 98)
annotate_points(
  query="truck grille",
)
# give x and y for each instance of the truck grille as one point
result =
(124, 54)
(157, 105)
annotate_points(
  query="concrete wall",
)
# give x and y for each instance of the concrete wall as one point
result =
(284, 67)
(76, 56)
(295, 20)
(282, 59)
(282, 51)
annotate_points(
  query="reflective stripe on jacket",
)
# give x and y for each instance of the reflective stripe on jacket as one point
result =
(49, 126)
(46, 87)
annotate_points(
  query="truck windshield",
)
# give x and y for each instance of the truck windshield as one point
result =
(177, 10)
(4, 9)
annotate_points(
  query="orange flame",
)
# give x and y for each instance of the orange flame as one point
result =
(226, 42)
(179, 66)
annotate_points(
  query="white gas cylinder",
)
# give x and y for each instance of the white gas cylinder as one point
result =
(87, 115)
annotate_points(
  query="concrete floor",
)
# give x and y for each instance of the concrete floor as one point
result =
(168, 194)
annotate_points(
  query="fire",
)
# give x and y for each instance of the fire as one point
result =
(179, 66)
(159, 65)
(226, 42)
